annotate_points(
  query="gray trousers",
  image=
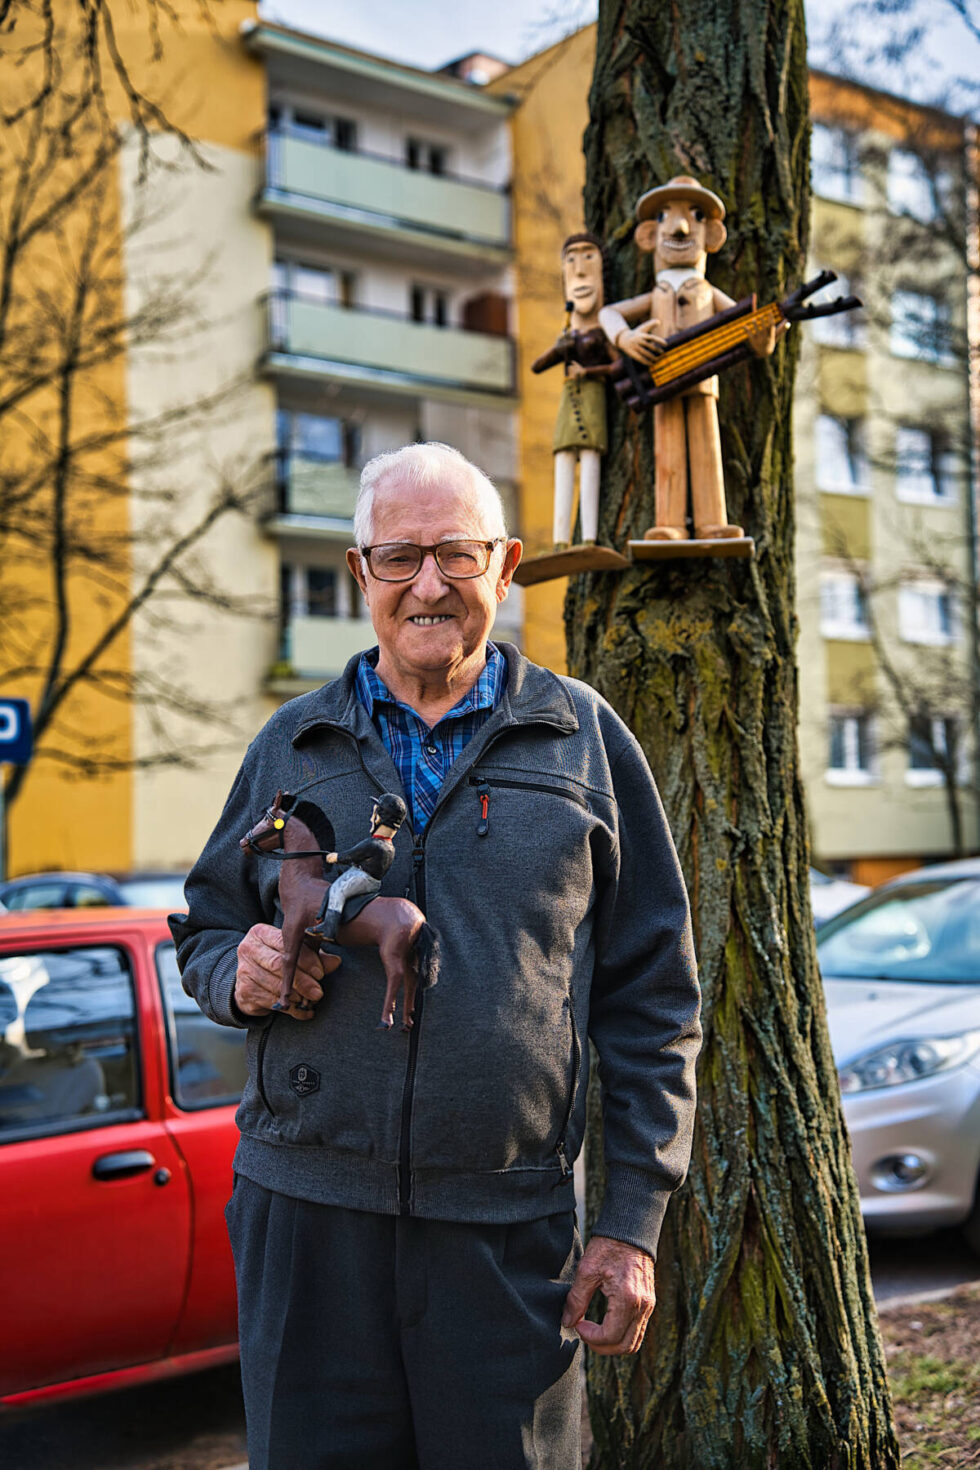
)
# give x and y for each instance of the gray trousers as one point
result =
(380, 1342)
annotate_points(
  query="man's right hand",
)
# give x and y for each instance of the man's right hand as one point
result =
(259, 975)
(642, 342)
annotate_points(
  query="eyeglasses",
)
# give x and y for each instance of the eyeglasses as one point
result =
(400, 561)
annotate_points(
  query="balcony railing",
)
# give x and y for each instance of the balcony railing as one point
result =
(307, 486)
(390, 346)
(387, 190)
(319, 648)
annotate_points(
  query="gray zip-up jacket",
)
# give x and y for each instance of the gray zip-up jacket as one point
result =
(548, 869)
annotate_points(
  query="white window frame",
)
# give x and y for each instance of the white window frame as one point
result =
(923, 311)
(839, 441)
(835, 164)
(852, 774)
(932, 775)
(915, 622)
(918, 486)
(841, 612)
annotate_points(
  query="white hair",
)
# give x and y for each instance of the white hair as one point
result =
(418, 466)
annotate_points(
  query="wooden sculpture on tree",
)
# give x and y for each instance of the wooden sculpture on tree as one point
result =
(681, 223)
(580, 430)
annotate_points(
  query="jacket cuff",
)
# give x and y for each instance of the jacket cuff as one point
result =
(633, 1209)
(221, 992)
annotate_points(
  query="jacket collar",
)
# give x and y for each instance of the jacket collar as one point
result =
(533, 696)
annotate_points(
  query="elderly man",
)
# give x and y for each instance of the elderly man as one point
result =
(403, 1214)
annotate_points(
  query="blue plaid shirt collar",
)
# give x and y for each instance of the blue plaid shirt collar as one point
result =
(423, 756)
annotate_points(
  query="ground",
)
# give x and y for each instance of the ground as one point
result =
(933, 1355)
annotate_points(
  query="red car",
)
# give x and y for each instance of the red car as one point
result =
(117, 1103)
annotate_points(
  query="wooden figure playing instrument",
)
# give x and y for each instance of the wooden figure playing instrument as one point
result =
(299, 835)
(681, 223)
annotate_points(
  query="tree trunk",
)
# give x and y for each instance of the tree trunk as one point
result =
(764, 1348)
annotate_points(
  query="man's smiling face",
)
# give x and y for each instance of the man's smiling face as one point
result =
(433, 624)
(682, 236)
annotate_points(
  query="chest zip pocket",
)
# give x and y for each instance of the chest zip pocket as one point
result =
(484, 783)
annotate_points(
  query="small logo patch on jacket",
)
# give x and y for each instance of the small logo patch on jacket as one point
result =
(304, 1080)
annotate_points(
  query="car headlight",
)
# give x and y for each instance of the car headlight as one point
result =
(907, 1061)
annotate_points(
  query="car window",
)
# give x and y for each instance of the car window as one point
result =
(917, 931)
(154, 893)
(207, 1061)
(68, 1053)
(36, 896)
(86, 896)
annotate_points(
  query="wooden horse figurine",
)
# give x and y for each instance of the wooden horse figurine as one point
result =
(299, 835)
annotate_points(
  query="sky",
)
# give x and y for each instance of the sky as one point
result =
(428, 33)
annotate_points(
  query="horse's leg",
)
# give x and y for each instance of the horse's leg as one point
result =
(293, 926)
(395, 951)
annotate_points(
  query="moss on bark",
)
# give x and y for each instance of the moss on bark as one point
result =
(764, 1349)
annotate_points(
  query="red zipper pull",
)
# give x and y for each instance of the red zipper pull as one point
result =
(483, 792)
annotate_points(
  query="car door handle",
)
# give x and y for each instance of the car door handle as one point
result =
(123, 1165)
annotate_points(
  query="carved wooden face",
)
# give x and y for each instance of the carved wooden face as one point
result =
(681, 235)
(581, 278)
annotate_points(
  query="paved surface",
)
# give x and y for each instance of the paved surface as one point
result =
(197, 1423)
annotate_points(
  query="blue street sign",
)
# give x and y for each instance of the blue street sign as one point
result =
(16, 741)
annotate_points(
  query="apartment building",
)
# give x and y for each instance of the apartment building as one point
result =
(345, 223)
(885, 527)
(388, 314)
(886, 541)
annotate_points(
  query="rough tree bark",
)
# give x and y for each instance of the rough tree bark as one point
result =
(764, 1349)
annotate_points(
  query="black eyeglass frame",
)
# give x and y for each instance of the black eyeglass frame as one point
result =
(488, 547)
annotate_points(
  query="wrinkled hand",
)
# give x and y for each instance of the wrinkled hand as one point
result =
(625, 1275)
(259, 975)
(642, 342)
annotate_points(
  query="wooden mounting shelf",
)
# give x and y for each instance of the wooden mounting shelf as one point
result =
(678, 550)
(551, 564)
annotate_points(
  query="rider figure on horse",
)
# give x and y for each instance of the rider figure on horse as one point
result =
(366, 864)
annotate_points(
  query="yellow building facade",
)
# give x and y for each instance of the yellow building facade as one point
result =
(167, 244)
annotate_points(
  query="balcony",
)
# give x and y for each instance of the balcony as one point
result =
(376, 198)
(314, 497)
(389, 353)
(318, 648)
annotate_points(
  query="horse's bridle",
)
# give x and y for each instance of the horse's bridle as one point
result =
(279, 823)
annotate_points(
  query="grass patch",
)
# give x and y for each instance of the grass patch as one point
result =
(933, 1356)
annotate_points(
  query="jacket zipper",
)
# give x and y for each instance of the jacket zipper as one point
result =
(566, 1168)
(484, 783)
(408, 1091)
(259, 1063)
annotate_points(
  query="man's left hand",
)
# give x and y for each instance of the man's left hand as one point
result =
(624, 1275)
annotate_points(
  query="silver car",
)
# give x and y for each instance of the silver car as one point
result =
(901, 972)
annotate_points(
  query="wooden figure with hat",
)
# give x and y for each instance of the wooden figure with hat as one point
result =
(682, 223)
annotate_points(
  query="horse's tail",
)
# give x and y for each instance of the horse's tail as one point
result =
(428, 952)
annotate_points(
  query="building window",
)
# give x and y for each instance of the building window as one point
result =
(429, 305)
(842, 464)
(312, 126)
(835, 164)
(926, 613)
(430, 158)
(932, 739)
(850, 750)
(849, 328)
(316, 283)
(921, 328)
(925, 468)
(914, 188)
(843, 606)
(308, 592)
